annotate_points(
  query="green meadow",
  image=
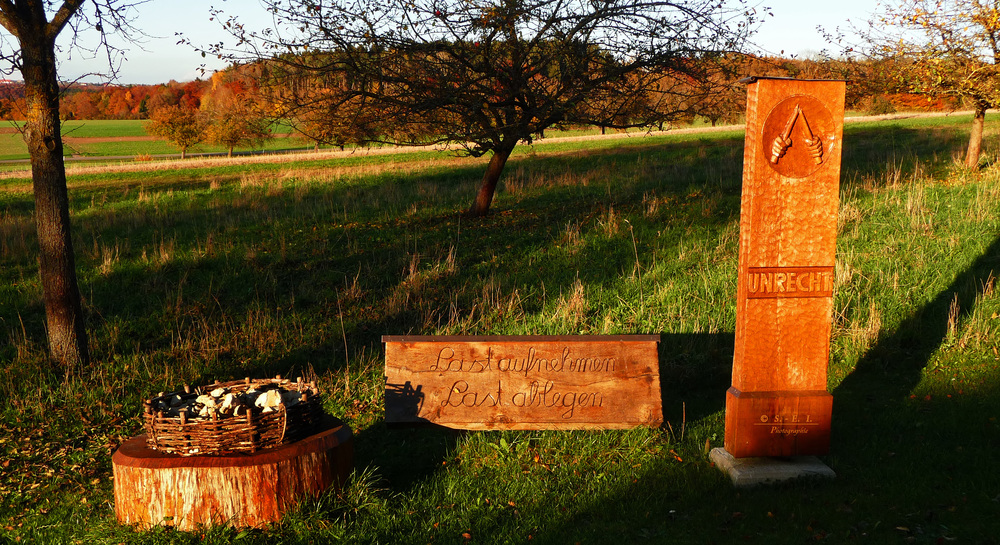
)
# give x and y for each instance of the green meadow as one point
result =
(126, 138)
(201, 274)
(96, 139)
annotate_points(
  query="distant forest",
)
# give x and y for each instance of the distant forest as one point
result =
(867, 93)
(111, 101)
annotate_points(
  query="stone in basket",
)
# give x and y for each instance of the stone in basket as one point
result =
(241, 416)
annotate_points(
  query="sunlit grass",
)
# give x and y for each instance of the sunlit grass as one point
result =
(217, 270)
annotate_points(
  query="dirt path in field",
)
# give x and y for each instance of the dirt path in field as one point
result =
(104, 139)
(205, 160)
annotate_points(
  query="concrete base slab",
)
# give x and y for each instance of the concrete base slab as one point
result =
(756, 471)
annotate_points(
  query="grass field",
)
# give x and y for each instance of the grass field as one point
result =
(124, 138)
(192, 275)
(128, 138)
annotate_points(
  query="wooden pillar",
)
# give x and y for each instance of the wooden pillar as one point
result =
(153, 488)
(778, 404)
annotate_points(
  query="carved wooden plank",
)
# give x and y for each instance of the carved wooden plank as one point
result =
(778, 404)
(154, 488)
(523, 382)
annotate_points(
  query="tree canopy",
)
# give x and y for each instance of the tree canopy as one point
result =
(941, 47)
(487, 74)
(181, 127)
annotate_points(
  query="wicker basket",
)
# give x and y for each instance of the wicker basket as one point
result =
(252, 430)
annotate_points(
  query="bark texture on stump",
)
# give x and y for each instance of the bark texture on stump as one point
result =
(153, 488)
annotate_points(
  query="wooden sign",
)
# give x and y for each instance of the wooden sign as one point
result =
(524, 382)
(778, 404)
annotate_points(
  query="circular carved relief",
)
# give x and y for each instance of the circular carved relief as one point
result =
(798, 136)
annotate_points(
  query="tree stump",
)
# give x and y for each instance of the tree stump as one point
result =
(153, 488)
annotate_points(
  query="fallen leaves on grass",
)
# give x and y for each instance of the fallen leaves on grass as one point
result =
(39, 460)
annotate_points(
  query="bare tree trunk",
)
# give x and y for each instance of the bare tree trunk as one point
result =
(63, 312)
(976, 137)
(484, 198)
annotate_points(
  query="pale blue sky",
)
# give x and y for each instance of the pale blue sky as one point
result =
(791, 29)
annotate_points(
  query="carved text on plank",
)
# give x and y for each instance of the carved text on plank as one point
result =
(524, 382)
(789, 282)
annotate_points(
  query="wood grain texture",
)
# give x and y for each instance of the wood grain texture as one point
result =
(525, 382)
(154, 488)
(777, 423)
(786, 273)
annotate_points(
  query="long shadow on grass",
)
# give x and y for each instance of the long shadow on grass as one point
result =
(877, 153)
(694, 374)
(695, 371)
(233, 290)
(909, 469)
(220, 288)
(888, 372)
(908, 349)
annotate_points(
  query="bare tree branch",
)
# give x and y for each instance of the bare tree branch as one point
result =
(9, 23)
(62, 17)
